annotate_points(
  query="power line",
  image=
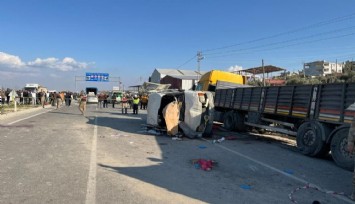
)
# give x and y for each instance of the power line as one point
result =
(334, 20)
(285, 41)
(186, 62)
(290, 45)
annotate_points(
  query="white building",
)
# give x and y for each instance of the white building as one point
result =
(158, 74)
(322, 68)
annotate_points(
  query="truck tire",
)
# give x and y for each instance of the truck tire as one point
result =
(338, 148)
(228, 121)
(239, 122)
(309, 139)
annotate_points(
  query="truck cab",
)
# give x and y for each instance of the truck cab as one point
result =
(91, 93)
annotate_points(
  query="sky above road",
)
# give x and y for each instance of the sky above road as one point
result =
(52, 42)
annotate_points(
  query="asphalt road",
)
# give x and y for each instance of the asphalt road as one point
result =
(59, 156)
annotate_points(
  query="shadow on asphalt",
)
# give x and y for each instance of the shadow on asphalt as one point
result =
(174, 171)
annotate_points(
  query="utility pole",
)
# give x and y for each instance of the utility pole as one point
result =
(199, 58)
(262, 63)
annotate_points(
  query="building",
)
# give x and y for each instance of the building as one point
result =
(158, 74)
(180, 82)
(322, 68)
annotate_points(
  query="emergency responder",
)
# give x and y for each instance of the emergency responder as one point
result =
(135, 104)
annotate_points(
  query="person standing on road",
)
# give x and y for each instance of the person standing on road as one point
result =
(43, 98)
(351, 141)
(67, 98)
(101, 100)
(58, 97)
(2, 93)
(124, 103)
(113, 100)
(82, 103)
(144, 101)
(33, 95)
(105, 100)
(135, 104)
(7, 93)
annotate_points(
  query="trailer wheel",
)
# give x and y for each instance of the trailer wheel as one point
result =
(239, 122)
(339, 152)
(309, 138)
(228, 121)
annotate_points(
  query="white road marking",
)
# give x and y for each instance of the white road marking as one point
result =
(27, 118)
(278, 171)
(91, 185)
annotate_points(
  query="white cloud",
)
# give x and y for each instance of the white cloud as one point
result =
(10, 62)
(67, 64)
(235, 68)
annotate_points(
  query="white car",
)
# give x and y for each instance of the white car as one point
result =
(92, 98)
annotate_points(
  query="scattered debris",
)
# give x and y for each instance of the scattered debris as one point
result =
(177, 138)
(204, 164)
(219, 140)
(245, 187)
(202, 147)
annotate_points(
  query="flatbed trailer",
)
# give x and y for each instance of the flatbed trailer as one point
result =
(319, 116)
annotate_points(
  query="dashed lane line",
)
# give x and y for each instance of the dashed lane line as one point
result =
(16, 121)
(91, 185)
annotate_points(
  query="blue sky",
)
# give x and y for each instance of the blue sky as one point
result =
(51, 42)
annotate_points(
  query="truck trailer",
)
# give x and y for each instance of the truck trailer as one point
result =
(319, 116)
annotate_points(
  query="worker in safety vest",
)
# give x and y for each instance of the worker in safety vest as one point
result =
(135, 104)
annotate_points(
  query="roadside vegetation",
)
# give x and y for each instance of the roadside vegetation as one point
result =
(4, 109)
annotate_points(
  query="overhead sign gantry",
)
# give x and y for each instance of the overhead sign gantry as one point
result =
(97, 77)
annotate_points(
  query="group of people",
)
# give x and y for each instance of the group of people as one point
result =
(103, 100)
(5, 96)
(127, 101)
(133, 102)
(40, 97)
(25, 96)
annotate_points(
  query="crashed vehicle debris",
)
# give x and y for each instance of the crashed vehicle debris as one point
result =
(189, 111)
